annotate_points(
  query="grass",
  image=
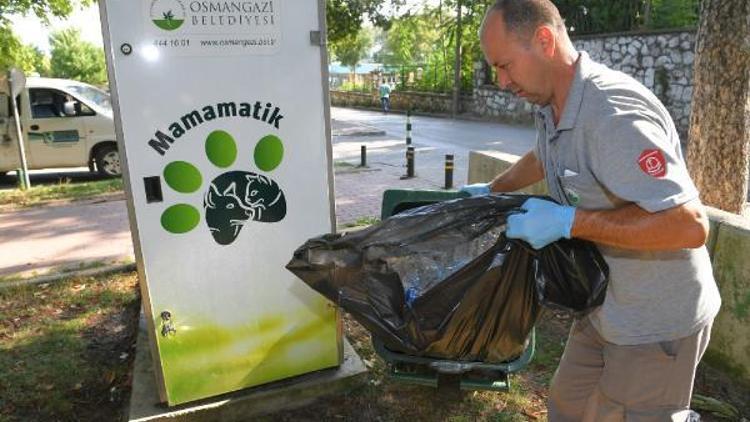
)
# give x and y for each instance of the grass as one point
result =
(66, 353)
(343, 164)
(66, 349)
(59, 270)
(383, 398)
(361, 221)
(62, 190)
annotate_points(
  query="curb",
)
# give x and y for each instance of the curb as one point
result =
(93, 272)
(461, 116)
(97, 199)
(357, 130)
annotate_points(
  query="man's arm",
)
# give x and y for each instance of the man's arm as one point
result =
(524, 172)
(631, 227)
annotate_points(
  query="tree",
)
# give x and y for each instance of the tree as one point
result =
(598, 16)
(74, 58)
(353, 48)
(410, 40)
(672, 13)
(10, 47)
(33, 60)
(15, 54)
(719, 135)
(12, 52)
(345, 17)
(43, 9)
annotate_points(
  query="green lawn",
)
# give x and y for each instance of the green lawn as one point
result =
(66, 353)
(66, 349)
(62, 190)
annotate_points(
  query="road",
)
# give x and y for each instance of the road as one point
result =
(38, 239)
(432, 138)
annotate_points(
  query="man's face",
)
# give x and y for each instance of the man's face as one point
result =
(521, 66)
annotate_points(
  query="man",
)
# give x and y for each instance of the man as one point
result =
(611, 157)
(385, 96)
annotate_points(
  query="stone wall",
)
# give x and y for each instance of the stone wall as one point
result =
(402, 100)
(662, 61)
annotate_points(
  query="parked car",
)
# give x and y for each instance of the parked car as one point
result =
(65, 123)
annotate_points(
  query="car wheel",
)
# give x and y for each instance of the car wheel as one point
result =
(108, 161)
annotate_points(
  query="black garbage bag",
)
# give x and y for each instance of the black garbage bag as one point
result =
(443, 281)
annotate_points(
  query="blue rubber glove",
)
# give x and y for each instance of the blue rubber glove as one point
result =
(476, 189)
(543, 222)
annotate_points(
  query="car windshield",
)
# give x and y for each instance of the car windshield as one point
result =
(92, 94)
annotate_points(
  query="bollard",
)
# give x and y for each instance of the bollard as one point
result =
(448, 171)
(363, 156)
(409, 162)
(408, 127)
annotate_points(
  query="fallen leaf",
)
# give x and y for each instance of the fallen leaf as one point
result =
(109, 377)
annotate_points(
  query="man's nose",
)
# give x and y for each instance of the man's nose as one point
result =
(503, 81)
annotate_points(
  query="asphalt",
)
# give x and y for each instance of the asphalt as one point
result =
(39, 240)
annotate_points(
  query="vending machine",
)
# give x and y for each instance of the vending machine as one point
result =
(223, 125)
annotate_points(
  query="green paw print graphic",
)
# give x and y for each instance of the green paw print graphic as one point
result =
(233, 198)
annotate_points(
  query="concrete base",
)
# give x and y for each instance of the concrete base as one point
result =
(241, 405)
(485, 165)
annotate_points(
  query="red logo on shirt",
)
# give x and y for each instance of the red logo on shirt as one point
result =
(652, 162)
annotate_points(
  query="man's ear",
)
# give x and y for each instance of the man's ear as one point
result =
(545, 40)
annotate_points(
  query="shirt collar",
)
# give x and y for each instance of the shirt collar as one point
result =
(575, 96)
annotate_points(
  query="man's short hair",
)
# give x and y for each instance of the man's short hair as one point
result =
(523, 17)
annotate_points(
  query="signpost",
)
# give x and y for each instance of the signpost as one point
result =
(16, 83)
(223, 124)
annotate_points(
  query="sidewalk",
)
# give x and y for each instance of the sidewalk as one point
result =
(73, 236)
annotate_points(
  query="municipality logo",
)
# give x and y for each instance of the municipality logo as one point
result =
(232, 198)
(168, 14)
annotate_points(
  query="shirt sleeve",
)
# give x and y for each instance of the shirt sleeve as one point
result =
(538, 145)
(637, 157)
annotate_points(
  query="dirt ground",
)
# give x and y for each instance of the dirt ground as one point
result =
(102, 364)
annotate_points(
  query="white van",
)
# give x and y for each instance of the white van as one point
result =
(65, 123)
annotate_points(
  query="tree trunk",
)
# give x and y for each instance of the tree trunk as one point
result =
(719, 136)
(457, 64)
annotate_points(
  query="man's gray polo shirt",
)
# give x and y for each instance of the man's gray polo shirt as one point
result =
(616, 144)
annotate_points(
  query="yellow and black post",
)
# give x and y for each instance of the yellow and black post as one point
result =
(409, 163)
(448, 171)
(408, 127)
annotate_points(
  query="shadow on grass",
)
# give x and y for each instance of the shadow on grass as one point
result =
(66, 350)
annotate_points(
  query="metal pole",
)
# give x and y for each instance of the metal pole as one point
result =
(363, 156)
(24, 176)
(448, 171)
(408, 127)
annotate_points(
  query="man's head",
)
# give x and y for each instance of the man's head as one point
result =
(524, 41)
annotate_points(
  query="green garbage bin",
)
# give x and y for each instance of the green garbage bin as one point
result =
(442, 373)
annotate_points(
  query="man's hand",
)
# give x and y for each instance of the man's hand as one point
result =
(477, 189)
(542, 223)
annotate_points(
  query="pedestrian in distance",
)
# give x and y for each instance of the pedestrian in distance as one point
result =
(385, 96)
(610, 154)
